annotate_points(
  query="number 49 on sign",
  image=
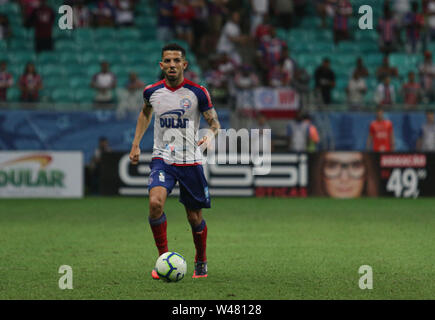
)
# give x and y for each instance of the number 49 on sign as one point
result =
(404, 183)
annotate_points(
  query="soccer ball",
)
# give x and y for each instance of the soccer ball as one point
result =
(171, 267)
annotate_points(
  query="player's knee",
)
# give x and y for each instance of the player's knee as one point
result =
(194, 218)
(156, 207)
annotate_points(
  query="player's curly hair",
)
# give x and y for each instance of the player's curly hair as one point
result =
(174, 47)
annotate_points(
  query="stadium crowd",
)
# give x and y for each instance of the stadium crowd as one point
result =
(238, 47)
(405, 26)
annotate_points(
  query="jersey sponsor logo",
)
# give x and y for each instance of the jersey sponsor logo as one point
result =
(177, 112)
(173, 122)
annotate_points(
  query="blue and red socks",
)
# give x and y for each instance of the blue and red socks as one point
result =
(199, 233)
(158, 227)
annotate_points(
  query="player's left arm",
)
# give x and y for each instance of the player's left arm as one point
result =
(214, 125)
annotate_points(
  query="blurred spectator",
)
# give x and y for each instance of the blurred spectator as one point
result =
(301, 83)
(424, 4)
(388, 31)
(81, 15)
(27, 7)
(313, 133)
(94, 168)
(191, 75)
(104, 14)
(356, 90)
(230, 37)
(130, 96)
(124, 12)
(325, 81)
(411, 91)
(360, 69)
(414, 22)
(262, 33)
(385, 70)
(283, 11)
(134, 84)
(30, 83)
(302, 134)
(217, 11)
(6, 81)
(165, 21)
(42, 19)
(343, 11)
(426, 137)
(325, 9)
(5, 30)
(227, 67)
(400, 9)
(236, 5)
(104, 82)
(289, 63)
(245, 78)
(278, 76)
(427, 76)
(385, 94)
(184, 14)
(430, 17)
(200, 26)
(259, 8)
(381, 134)
(270, 53)
(217, 81)
(259, 144)
(300, 6)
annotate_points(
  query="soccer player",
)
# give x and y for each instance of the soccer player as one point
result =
(177, 104)
(381, 135)
(426, 137)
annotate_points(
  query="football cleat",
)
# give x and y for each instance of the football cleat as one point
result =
(200, 270)
(154, 274)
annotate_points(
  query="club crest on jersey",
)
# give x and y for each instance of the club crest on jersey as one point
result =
(171, 122)
(185, 103)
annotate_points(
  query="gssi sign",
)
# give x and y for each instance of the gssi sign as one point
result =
(288, 177)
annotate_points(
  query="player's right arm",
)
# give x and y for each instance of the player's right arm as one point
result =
(142, 124)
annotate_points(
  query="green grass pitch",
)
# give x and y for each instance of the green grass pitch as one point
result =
(257, 249)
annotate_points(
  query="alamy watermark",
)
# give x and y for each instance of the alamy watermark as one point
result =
(366, 280)
(365, 21)
(65, 281)
(66, 20)
(254, 146)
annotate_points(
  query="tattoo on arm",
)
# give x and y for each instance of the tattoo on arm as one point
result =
(212, 119)
(147, 109)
